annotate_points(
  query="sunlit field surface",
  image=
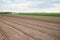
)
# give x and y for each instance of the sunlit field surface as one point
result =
(30, 26)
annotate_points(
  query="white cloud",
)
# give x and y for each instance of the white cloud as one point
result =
(7, 1)
(36, 2)
(53, 9)
(24, 6)
(57, 5)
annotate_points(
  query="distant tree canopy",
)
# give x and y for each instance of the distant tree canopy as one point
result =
(5, 12)
(33, 14)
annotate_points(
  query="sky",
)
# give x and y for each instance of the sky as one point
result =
(30, 5)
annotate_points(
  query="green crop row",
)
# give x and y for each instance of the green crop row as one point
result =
(5, 12)
(41, 14)
(34, 14)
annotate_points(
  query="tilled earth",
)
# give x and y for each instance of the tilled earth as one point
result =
(29, 28)
(2, 36)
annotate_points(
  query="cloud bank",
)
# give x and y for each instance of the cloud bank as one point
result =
(30, 5)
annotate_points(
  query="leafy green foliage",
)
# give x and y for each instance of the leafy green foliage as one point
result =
(34, 14)
(41, 14)
(5, 12)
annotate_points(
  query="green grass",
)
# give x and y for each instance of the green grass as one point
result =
(41, 14)
(34, 14)
(5, 12)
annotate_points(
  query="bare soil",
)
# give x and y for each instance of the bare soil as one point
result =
(15, 27)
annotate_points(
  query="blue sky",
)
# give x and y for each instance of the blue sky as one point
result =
(30, 5)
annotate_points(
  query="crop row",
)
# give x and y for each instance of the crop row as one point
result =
(34, 14)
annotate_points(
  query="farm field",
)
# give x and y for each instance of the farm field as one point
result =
(22, 27)
(33, 14)
(41, 14)
(29, 19)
